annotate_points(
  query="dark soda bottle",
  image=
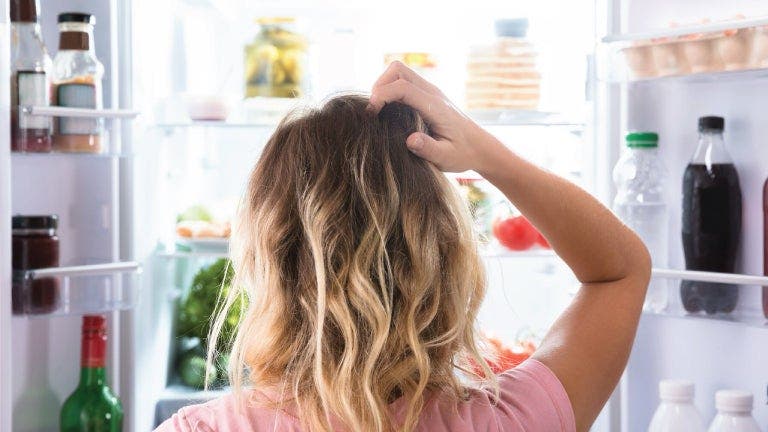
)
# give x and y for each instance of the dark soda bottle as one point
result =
(711, 224)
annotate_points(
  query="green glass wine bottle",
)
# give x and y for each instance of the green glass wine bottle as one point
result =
(92, 407)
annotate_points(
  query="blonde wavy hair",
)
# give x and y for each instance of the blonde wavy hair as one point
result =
(360, 269)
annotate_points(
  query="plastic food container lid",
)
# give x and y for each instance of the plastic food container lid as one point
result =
(735, 401)
(45, 222)
(511, 27)
(642, 139)
(676, 390)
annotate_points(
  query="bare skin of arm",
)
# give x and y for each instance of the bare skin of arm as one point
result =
(589, 344)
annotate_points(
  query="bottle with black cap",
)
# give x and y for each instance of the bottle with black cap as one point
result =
(30, 79)
(711, 223)
(77, 75)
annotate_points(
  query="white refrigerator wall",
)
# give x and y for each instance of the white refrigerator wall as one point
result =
(712, 354)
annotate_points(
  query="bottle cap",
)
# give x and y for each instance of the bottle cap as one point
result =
(36, 222)
(76, 17)
(511, 27)
(711, 123)
(24, 11)
(676, 390)
(642, 140)
(734, 401)
(94, 323)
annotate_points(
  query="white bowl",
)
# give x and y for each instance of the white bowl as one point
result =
(207, 107)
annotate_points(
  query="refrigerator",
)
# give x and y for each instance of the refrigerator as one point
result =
(118, 211)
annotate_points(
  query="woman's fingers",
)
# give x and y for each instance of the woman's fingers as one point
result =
(429, 106)
(428, 148)
(397, 70)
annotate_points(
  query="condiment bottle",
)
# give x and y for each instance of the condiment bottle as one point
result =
(30, 79)
(77, 75)
(35, 245)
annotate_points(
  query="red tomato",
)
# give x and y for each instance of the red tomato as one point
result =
(515, 233)
(542, 241)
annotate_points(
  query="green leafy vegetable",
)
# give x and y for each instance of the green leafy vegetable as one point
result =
(195, 312)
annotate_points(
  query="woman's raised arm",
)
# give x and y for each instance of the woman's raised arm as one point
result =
(588, 346)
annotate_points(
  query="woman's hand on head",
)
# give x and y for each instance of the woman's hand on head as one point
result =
(458, 143)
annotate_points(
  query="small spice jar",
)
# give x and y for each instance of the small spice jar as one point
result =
(35, 245)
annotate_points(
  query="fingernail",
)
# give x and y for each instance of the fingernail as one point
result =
(417, 143)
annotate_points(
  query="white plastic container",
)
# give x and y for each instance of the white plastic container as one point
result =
(676, 413)
(734, 412)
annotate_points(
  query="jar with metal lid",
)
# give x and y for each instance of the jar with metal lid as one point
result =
(35, 245)
(276, 60)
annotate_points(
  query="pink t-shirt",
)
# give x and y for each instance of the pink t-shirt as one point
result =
(531, 399)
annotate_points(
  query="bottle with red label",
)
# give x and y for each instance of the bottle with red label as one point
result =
(92, 406)
(30, 79)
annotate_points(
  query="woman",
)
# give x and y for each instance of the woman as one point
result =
(363, 280)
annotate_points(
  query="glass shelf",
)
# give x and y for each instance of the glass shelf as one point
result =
(501, 253)
(53, 111)
(215, 125)
(483, 117)
(195, 254)
(76, 290)
(524, 118)
(68, 155)
(493, 253)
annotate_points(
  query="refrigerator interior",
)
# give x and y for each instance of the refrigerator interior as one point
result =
(197, 48)
(723, 352)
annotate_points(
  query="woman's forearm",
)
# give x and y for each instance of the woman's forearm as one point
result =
(586, 235)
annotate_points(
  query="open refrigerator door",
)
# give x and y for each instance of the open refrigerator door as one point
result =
(663, 66)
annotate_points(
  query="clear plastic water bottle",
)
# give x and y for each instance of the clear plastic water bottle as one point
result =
(734, 412)
(676, 413)
(640, 203)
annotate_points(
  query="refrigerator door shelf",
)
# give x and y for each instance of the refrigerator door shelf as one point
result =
(746, 313)
(54, 111)
(76, 290)
(704, 52)
(703, 276)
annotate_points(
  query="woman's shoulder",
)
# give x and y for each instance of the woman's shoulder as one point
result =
(229, 413)
(531, 398)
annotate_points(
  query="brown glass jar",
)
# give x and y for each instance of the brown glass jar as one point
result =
(35, 245)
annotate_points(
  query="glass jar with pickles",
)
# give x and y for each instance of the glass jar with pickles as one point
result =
(276, 60)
